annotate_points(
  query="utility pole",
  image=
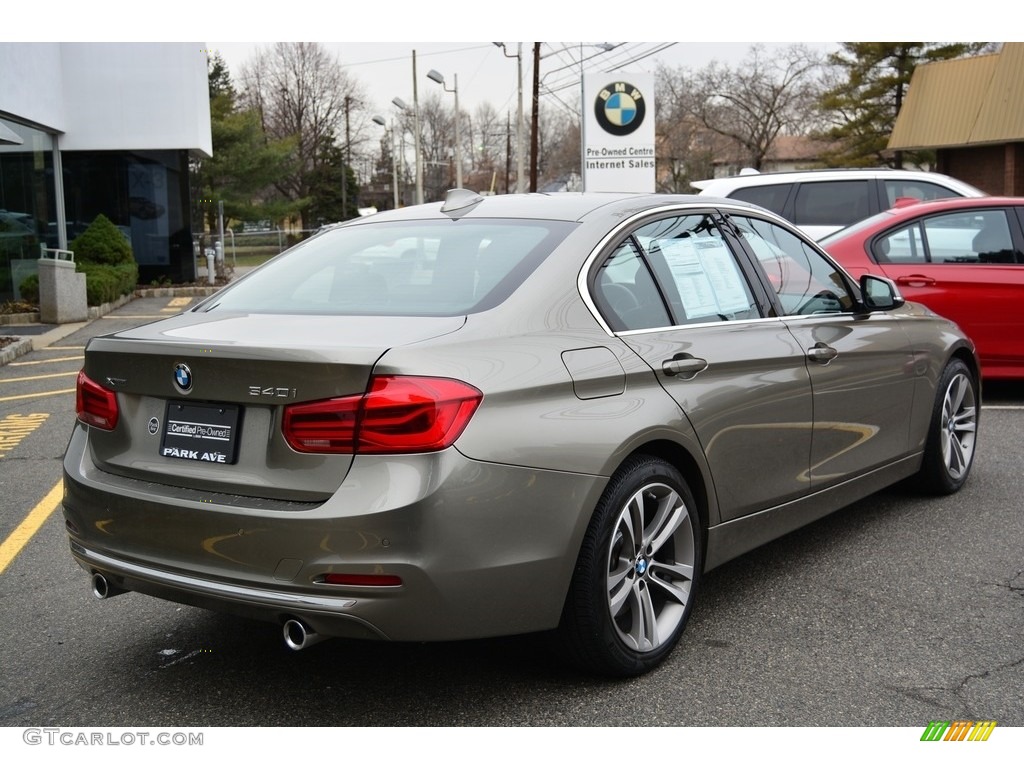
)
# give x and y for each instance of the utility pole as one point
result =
(520, 149)
(508, 151)
(344, 167)
(416, 137)
(534, 117)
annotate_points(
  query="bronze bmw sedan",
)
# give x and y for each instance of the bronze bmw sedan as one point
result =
(503, 415)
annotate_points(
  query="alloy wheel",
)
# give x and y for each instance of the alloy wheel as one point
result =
(650, 567)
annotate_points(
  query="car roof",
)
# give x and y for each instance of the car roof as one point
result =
(561, 206)
(777, 177)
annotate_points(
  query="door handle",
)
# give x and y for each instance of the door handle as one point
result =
(822, 353)
(685, 366)
(915, 281)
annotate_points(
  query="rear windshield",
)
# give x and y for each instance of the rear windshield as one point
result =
(433, 268)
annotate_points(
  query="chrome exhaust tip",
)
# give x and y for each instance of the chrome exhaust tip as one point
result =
(102, 588)
(298, 636)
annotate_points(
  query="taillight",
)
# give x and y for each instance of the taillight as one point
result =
(94, 404)
(397, 414)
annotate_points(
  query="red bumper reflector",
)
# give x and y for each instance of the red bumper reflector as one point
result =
(361, 579)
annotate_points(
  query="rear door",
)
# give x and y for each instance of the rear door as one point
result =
(821, 207)
(678, 295)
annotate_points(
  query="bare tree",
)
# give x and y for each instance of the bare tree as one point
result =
(302, 92)
(685, 148)
(488, 139)
(768, 94)
(437, 141)
(558, 148)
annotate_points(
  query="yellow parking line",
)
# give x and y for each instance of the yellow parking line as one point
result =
(37, 394)
(48, 360)
(40, 376)
(14, 543)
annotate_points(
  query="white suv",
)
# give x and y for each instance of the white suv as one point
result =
(822, 201)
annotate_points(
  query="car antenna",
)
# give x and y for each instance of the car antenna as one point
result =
(460, 201)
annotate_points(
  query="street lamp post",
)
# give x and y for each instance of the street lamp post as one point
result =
(520, 160)
(416, 129)
(416, 144)
(394, 157)
(438, 78)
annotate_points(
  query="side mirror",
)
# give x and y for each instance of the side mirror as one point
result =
(879, 294)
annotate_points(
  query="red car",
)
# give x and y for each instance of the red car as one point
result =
(962, 257)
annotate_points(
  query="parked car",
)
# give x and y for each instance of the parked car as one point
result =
(565, 411)
(823, 201)
(963, 258)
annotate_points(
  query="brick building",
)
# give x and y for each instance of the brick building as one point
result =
(971, 112)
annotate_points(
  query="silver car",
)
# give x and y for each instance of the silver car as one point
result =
(505, 415)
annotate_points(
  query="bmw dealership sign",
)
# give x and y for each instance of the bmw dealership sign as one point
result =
(618, 133)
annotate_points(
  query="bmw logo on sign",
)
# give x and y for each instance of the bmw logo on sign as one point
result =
(620, 108)
(182, 377)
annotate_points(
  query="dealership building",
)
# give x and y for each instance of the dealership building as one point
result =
(91, 128)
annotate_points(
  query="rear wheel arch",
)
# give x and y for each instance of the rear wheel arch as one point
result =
(950, 445)
(971, 362)
(682, 460)
(639, 567)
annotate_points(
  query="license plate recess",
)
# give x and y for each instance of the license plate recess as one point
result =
(200, 432)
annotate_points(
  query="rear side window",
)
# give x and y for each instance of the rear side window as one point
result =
(626, 294)
(433, 268)
(831, 203)
(673, 271)
(918, 190)
(965, 237)
(771, 196)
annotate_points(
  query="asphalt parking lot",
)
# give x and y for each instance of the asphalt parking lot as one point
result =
(895, 611)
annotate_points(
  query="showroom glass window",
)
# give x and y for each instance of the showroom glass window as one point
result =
(145, 194)
(27, 205)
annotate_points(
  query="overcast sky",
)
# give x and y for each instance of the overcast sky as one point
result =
(384, 70)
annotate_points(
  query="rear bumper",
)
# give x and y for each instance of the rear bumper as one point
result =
(481, 549)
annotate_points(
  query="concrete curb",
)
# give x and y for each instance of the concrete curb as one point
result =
(21, 318)
(27, 344)
(15, 350)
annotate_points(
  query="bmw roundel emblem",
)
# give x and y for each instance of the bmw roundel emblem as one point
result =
(183, 377)
(620, 108)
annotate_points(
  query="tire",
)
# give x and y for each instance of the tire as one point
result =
(952, 432)
(631, 594)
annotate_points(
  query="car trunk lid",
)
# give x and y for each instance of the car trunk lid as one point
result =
(201, 396)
